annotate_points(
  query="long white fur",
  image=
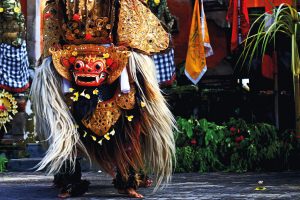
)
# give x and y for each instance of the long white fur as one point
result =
(159, 149)
(54, 122)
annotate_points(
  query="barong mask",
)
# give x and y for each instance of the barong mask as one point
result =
(89, 71)
(89, 65)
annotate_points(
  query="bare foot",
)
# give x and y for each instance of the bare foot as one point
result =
(131, 193)
(146, 183)
(64, 195)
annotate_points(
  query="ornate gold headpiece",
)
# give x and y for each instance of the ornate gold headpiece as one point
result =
(139, 28)
(91, 22)
(88, 21)
(81, 21)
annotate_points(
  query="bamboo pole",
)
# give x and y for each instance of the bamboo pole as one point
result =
(295, 70)
(297, 104)
(276, 91)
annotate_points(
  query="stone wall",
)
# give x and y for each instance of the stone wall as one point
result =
(33, 30)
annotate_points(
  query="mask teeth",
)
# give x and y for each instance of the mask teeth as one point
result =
(75, 76)
(97, 79)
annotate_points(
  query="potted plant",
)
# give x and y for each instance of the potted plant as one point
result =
(286, 20)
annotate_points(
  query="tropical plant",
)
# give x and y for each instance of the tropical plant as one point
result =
(3, 161)
(286, 21)
(236, 145)
(192, 135)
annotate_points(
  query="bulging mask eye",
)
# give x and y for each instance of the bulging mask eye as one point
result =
(99, 65)
(78, 65)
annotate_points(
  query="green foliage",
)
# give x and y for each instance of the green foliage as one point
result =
(285, 21)
(235, 146)
(192, 134)
(186, 126)
(186, 157)
(3, 161)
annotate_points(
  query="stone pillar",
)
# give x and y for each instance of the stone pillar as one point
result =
(33, 31)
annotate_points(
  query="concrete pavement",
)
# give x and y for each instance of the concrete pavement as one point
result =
(285, 185)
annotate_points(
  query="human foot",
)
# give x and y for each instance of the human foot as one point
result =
(64, 195)
(74, 189)
(131, 193)
(147, 182)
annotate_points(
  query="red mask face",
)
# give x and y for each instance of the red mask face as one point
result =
(89, 74)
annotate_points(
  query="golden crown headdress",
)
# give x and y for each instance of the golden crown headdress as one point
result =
(93, 21)
(79, 21)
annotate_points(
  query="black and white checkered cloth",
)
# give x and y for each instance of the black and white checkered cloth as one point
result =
(165, 66)
(13, 66)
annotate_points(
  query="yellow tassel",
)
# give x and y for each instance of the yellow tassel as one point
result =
(82, 93)
(113, 132)
(143, 104)
(85, 134)
(129, 118)
(87, 96)
(106, 55)
(95, 92)
(75, 97)
(94, 138)
(106, 136)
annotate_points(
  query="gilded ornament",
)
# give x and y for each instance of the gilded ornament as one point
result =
(17, 10)
(93, 28)
(52, 28)
(139, 28)
(8, 108)
(107, 113)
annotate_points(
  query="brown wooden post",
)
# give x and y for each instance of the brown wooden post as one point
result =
(297, 104)
(276, 90)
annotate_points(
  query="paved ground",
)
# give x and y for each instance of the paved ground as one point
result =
(184, 186)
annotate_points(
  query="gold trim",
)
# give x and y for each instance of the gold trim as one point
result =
(8, 108)
(107, 113)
